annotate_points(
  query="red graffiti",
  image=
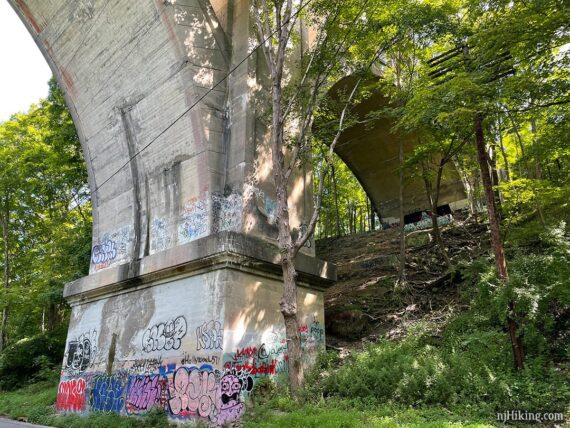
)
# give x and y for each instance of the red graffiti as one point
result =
(255, 368)
(249, 352)
(71, 396)
(304, 328)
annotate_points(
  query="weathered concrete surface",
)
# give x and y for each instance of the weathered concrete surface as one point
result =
(181, 307)
(194, 346)
(371, 151)
(132, 73)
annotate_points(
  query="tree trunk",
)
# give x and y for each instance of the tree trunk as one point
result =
(337, 215)
(434, 201)
(4, 221)
(496, 180)
(402, 272)
(496, 240)
(504, 154)
(538, 169)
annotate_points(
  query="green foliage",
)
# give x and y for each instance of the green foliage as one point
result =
(45, 217)
(30, 359)
(471, 364)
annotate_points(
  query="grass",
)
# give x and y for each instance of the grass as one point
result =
(340, 415)
(35, 404)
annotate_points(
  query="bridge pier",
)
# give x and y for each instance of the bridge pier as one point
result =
(192, 338)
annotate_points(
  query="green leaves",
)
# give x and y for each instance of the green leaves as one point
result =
(42, 176)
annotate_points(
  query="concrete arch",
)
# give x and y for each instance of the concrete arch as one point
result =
(128, 71)
(371, 151)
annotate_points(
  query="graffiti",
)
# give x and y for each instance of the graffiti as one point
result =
(229, 210)
(209, 335)
(104, 254)
(107, 394)
(269, 359)
(230, 389)
(199, 360)
(114, 249)
(208, 394)
(165, 336)
(160, 239)
(317, 332)
(312, 337)
(71, 396)
(144, 393)
(192, 392)
(249, 352)
(150, 365)
(80, 353)
(195, 221)
(426, 222)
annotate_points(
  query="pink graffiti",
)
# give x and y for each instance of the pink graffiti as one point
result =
(71, 396)
(230, 407)
(304, 328)
(193, 393)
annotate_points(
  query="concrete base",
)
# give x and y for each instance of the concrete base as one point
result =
(191, 338)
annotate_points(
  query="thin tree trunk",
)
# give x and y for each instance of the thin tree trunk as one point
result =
(434, 201)
(496, 179)
(402, 272)
(5, 220)
(504, 154)
(496, 240)
(337, 215)
(538, 169)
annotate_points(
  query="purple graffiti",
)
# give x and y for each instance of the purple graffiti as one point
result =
(144, 393)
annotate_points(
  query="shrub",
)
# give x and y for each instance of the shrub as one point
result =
(28, 359)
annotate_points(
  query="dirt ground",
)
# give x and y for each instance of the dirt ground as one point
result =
(367, 305)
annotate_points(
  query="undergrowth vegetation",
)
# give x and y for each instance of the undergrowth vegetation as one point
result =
(466, 372)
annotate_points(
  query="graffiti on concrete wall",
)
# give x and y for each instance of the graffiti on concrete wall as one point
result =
(80, 353)
(207, 393)
(426, 222)
(268, 359)
(229, 211)
(164, 336)
(146, 365)
(209, 335)
(107, 393)
(71, 396)
(196, 360)
(104, 254)
(144, 393)
(159, 236)
(186, 386)
(113, 249)
(195, 221)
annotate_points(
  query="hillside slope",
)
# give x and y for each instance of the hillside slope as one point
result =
(364, 304)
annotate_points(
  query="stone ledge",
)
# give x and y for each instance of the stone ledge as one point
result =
(226, 250)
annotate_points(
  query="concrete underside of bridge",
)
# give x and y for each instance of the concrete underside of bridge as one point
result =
(371, 150)
(181, 307)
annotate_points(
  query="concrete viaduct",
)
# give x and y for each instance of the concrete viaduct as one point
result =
(180, 309)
